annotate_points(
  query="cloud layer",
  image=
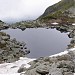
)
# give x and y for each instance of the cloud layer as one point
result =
(15, 10)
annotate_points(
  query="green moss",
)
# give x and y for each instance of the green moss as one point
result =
(55, 15)
(57, 11)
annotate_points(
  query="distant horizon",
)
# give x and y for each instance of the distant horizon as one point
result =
(14, 10)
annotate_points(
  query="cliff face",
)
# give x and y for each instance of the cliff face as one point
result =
(62, 9)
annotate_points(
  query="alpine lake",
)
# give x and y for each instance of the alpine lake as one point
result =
(41, 41)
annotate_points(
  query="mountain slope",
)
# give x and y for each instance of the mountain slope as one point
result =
(61, 10)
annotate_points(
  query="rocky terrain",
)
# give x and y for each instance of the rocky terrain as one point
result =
(11, 49)
(63, 15)
(3, 25)
(62, 12)
(26, 24)
(61, 64)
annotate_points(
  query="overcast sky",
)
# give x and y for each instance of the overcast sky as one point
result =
(23, 9)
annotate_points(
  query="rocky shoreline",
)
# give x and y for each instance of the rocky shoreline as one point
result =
(11, 49)
(60, 64)
(60, 16)
(62, 27)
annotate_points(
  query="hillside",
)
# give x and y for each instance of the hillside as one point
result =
(63, 10)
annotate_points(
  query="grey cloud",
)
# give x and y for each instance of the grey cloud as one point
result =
(17, 9)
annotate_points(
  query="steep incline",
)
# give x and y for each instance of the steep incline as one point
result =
(61, 10)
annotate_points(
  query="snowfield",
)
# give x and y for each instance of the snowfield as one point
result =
(12, 68)
(73, 24)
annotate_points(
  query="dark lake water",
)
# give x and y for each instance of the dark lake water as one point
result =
(41, 41)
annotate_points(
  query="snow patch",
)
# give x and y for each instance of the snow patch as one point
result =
(55, 23)
(12, 68)
(59, 54)
(73, 24)
(62, 53)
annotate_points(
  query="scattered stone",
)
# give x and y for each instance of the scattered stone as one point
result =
(61, 65)
(10, 49)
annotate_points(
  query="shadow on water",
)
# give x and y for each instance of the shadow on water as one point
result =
(41, 41)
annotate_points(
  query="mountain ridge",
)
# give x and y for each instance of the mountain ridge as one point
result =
(64, 9)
